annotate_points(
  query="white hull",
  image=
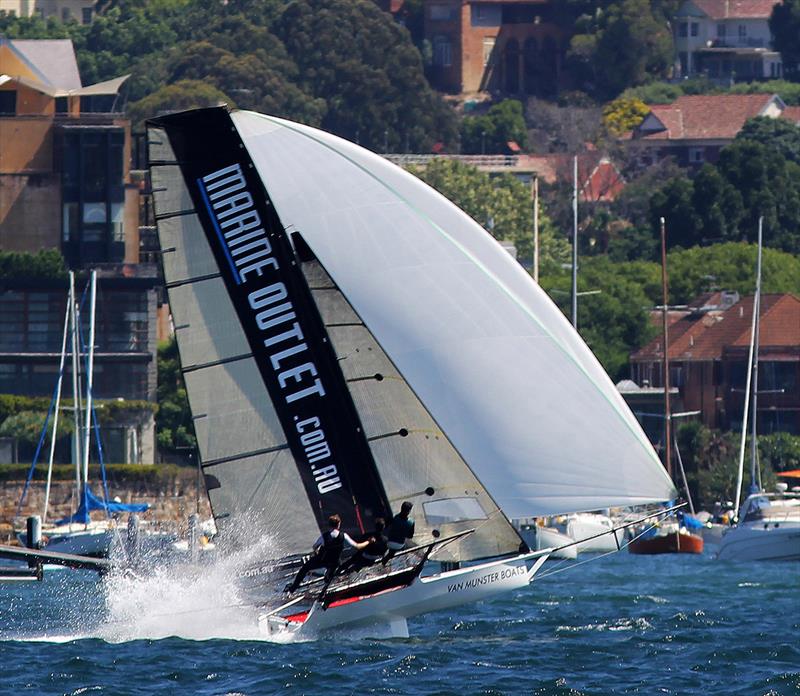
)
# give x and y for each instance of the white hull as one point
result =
(94, 540)
(541, 538)
(385, 613)
(761, 542)
(584, 526)
(713, 532)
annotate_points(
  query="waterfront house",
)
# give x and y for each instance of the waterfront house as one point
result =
(708, 352)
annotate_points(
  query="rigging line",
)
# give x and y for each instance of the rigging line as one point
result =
(637, 436)
(594, 557)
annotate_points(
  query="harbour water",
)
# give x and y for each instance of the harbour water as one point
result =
(620, 624)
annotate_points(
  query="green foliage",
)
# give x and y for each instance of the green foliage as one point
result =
(504, 122)
(776, 134)
(668, 92)
(613, 322)
(711, 460)
(784, 25)
(181, 95)
(627, 43)
(623, 114)
(26, 426)
(174, 427)
(779, 451)
(730, 266)
(501, 204)
(724, 203)
(117, 474)
(356, 58)
(43, 265)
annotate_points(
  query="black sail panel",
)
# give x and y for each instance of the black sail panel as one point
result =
(272, 308)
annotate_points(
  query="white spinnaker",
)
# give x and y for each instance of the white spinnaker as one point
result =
(517, 391)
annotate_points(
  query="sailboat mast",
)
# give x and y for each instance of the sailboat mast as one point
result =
(89, 371)
(748, 392)
(754, 411)
(665, 322)
(55, 415)
(575, 242)
(76, 398)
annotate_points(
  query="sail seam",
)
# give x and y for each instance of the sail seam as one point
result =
(245, 455)
(177, 213)
(216, 363)
(189, 281)
(646, 445)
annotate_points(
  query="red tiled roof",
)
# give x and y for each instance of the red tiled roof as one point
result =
(599, 178)
(704, 336)
(736, 9)
(792, 113)
(706, 116)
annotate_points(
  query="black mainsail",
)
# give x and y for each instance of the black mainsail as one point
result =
(245, 320)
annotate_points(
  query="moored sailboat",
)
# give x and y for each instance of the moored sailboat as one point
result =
(350, 340)
(768, 525)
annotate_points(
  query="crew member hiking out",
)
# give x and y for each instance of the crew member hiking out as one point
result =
(400, 529)
(327, 550)
(377, 545)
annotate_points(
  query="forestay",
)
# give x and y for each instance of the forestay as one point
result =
(496, 364)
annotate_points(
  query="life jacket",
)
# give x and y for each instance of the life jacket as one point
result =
(332, 547)
(400, 529)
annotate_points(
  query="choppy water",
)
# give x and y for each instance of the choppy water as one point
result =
(619, 625)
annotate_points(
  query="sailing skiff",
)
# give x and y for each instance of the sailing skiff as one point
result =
(350, 340)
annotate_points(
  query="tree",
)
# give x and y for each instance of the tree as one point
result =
(370, 74)
(501, 204)
(784, 25)
(777, 134)
(504, 122)
(174, 427)
(623, 114)
(624, 44)
(613, 322)
(182, 95)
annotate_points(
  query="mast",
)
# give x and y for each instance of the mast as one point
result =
(89, 371)
(754, 486)
(55, 416)
(76, 393)
(536, 228)
(751, 359)
(664, 320)
(575, 242)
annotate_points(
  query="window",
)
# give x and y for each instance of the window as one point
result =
(8, 102)
(441, 13)
(62, 105)
(86, 15)
(696, 155)
(442, 52)
(488, 48)
(66, 14)
(721, 30)
(695, 28)
(742, 31)
(453, 510)
(682, 29)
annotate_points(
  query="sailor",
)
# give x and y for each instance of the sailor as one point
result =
(327, 550)
(377, 545)
(400, 529)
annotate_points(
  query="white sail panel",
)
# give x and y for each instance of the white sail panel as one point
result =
(495, 362)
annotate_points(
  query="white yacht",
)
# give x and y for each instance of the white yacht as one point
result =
(769, 529)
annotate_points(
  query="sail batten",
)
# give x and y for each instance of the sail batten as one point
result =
(255, 355)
